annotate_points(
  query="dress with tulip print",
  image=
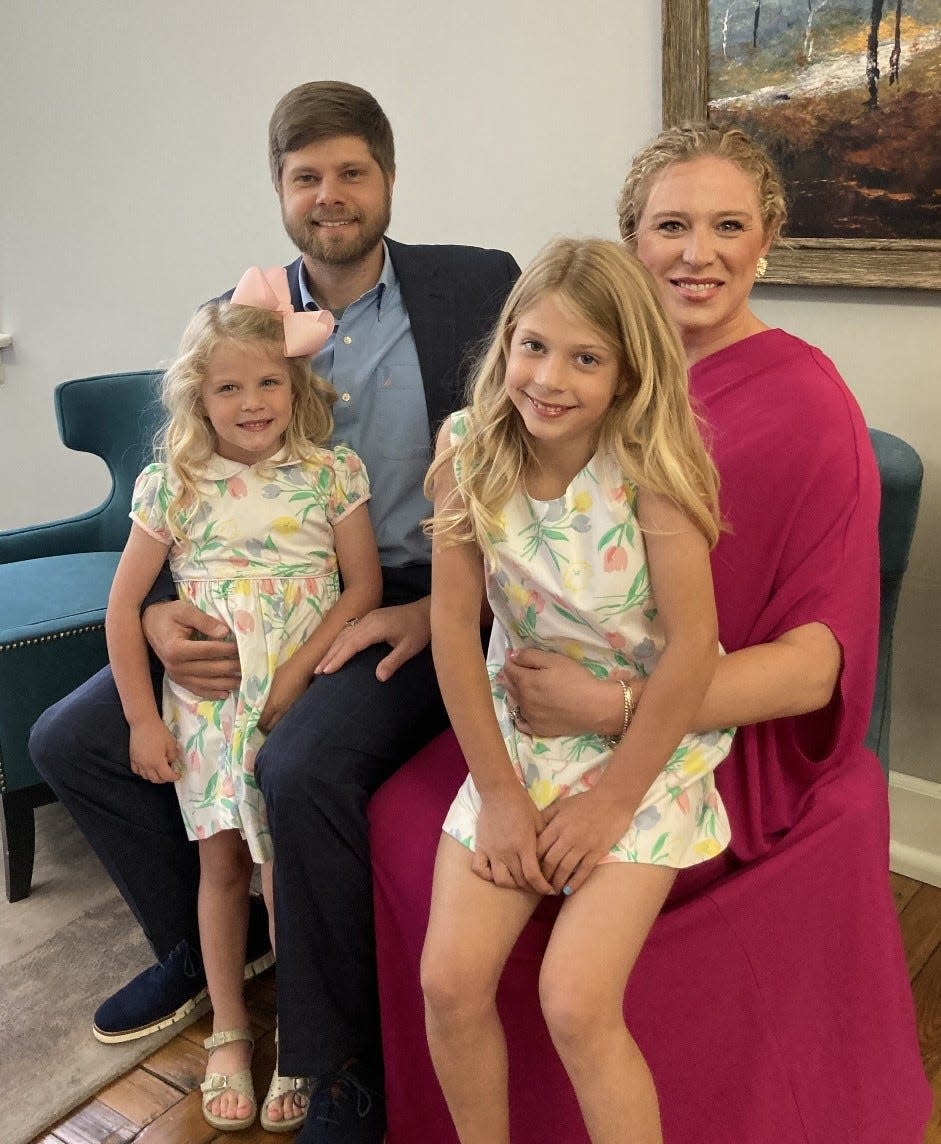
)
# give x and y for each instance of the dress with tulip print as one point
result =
(570, 576)
(259, 555)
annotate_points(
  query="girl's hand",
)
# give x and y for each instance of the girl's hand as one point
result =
(507, 830)
(288, 685)
(578, 831)
(154, 752)
(558, 696)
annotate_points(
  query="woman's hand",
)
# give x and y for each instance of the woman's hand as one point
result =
(557, 696)
(154, 752)
(208, 667)
(578, 831)
(506, 852)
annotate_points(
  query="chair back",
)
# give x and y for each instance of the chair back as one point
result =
(114, 416)
(900, 472)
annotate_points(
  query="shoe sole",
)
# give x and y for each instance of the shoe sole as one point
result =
(252, 969)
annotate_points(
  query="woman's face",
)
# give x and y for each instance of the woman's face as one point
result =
(700, 234)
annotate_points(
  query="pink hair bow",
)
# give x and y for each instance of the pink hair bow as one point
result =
(306, 332)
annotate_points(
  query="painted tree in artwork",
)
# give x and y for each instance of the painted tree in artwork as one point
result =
(872, 50)
(896, 56)
(812, 10)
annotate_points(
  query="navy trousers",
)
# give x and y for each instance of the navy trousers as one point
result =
(317, 770)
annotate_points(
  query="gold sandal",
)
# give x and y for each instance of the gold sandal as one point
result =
(280, 1086)
(240, 1082)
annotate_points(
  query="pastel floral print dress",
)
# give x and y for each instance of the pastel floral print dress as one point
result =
(259, 555)
(570, 576)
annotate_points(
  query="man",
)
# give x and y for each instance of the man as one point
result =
(406, 318)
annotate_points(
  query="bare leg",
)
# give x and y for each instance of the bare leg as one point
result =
(471, 930)
(595, 941)
(224, 882)
(288, 1105)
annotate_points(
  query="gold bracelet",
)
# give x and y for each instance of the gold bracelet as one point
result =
(613, 740)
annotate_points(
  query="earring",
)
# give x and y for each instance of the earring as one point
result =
(761, 268)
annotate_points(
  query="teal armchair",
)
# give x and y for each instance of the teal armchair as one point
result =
(900, 473)
(54, 584)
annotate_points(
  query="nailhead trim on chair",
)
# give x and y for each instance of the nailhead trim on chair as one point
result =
(52, 636)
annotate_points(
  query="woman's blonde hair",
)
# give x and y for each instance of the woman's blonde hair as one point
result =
(186, 440)
(688, 141)
(649, 428)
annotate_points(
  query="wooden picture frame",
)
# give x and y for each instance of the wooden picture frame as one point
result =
(912, 264)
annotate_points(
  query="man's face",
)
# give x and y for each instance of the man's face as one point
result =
(335, 200)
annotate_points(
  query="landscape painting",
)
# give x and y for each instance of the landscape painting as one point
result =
(846, 95)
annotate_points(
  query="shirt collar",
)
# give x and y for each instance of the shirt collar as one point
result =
(220, 468)
(387, 277)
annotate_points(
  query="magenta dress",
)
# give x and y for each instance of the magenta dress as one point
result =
(771, 1000)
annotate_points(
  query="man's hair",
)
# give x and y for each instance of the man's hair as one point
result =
(324, 109)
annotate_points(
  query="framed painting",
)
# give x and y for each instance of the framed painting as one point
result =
(847, 99)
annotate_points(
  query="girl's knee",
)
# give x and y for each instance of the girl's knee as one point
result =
(574, 1012)
(450, 987)
(224, 861)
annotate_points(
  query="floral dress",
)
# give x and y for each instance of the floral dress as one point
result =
(259, 556)
(570, 576)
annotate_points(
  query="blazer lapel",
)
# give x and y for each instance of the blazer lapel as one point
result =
(429, 299)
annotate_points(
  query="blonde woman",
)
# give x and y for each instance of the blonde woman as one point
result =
(575, 493)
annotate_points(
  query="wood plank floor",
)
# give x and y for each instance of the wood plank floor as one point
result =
(158, 1102)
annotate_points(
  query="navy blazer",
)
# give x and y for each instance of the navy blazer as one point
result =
(453, 295)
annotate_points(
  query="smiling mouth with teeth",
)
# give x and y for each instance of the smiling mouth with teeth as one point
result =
(699, 287)
(548, 410)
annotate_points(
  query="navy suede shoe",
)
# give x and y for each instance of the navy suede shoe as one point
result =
(173, 988)
(345, 1110)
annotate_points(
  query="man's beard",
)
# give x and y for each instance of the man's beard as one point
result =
(315, 242)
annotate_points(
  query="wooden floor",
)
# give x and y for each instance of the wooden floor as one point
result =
(158, 1102)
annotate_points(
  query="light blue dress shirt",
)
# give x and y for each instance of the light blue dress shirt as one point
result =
(381, 412)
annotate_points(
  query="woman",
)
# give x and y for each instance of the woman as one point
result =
(772, 1001)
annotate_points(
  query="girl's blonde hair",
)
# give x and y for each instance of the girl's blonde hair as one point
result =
(649, 428)
(187, 439)
(688, 141)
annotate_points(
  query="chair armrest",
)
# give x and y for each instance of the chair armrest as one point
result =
(55, 538)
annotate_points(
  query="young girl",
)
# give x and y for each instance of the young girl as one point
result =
(575, 490)
(259, 518)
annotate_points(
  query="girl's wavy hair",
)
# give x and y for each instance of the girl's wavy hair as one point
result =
(186, 440)
(650, 427)
(688, 141)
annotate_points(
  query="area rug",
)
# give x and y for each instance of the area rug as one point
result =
(49, 1061)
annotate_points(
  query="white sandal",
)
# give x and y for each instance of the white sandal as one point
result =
(280, 1086)
(240, 1082)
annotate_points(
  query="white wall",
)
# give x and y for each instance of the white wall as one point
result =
(133, 184)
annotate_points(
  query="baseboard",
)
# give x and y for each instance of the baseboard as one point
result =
(915, 848)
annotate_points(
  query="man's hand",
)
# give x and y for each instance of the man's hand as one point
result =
(406, 627)
(154, 752)
(208, 667)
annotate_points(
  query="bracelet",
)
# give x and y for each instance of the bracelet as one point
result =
(613, 740)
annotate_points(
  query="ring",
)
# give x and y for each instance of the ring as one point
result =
(515, 714)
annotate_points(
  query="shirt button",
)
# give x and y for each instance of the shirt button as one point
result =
(344, 397)
(347, 340)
